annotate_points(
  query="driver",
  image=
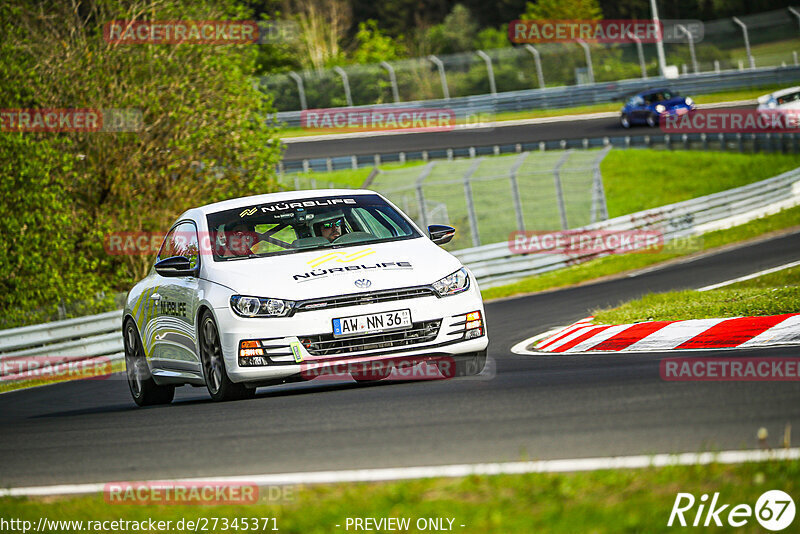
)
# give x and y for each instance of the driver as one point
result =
(239, 240)
(331, 229)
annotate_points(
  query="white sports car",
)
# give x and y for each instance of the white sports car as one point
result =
(290, 286)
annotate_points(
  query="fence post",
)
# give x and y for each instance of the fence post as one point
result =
(300, 89)
(746, 41)
(515, 190)
(794, 12)
(588, 55)
(423, 212)
(689, 37)
(489, 70)
(599, 207)
(640, 52)
(538, 60)
(440, 66)
(340, 71)
(559, 192)
(473, 220)
(392, 79)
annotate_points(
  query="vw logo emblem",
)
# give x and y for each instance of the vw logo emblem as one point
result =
(363, 283)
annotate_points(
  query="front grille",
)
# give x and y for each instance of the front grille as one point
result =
(358, 299)
(326, 345)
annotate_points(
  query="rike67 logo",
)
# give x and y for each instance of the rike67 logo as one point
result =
(774, 510)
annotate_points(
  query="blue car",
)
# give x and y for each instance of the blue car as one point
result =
(649, 106)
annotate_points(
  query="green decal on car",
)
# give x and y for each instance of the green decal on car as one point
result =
(296, 352)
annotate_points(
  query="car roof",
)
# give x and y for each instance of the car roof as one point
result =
(285, 196)
(786, 91)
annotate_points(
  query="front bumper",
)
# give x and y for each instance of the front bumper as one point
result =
(287, 340)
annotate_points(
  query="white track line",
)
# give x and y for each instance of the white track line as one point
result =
(750, 276)
(460, 470)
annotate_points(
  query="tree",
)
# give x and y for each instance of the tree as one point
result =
(204, 138)
(373, 46)
(563, 10)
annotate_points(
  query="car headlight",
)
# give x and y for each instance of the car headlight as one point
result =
(260, 306)
(772, 104)
(660, 108)
(452, 284)
(689, 101)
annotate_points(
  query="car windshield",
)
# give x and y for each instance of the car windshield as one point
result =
(304, 224)
(660, 96)
(786, 99)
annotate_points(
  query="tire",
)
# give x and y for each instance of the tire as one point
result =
(219, 386)
(625, 121)
(465, 365)
(652, 120)
(144, 390)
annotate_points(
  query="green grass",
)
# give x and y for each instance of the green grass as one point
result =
(710, 98)
(636, 180)
(771, 294)
(620, 264)
(635, 500)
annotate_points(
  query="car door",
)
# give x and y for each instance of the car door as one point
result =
(174, 343)
(640, 111)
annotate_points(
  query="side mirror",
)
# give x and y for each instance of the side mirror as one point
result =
(176, 266)
(441, 234)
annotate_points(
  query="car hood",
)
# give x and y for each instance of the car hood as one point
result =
(329, 272)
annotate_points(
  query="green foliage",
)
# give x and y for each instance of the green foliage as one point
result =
(455, 34)
(374, 46)
(562, 10)
(489, 38)
(204, 138)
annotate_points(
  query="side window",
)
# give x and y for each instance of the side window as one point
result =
(181, 241)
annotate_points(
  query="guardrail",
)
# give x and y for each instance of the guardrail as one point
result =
(495, 263)
(583, 95)
(100, 335)
(62, 342)
(741, 142)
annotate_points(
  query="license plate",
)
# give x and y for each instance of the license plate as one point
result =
(682, 111)
(371, 323)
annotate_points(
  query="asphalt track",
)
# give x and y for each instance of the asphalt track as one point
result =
(498, 135)
(532, 408)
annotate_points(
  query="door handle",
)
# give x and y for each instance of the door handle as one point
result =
(155, 296)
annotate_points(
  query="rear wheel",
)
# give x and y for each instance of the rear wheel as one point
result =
(220, 387)
(144, 390)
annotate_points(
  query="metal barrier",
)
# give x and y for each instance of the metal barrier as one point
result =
(62, 342)
(493, 264)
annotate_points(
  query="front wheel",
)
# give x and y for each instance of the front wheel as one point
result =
(144, 390)
(652, 120)
(625, 121)
(220, 387)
